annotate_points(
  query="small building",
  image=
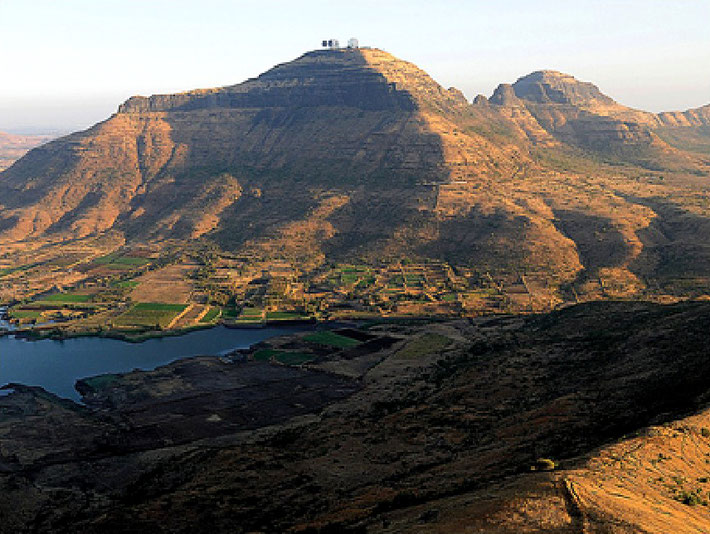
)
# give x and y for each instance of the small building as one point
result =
(333, 44)
(353, 43)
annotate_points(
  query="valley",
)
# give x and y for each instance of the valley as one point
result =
(13, 147)
(341, 298)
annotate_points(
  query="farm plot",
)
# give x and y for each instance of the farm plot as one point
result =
(285, 316)
(283, 357)
(350, 275)
(251, 315)
(332, 339)
(211, 315)
(118, 262)
(66, 298)
(150, 315)
(168, 285)
(20, 314)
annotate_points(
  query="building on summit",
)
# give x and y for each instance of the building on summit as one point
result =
(334, 44)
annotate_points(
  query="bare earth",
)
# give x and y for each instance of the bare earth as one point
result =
(169, 285)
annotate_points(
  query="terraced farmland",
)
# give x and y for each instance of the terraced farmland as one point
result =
(70, 298)
(150, 315)
(211, 315)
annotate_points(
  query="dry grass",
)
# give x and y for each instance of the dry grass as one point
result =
(168, 285)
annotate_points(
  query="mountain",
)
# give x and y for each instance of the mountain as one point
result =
(13, 147)
(357, 155)
(578, 113)
(331, 118)
(688, 130)
(354, 171)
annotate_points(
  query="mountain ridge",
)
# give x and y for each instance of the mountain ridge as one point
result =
(567, 108)
(364, 156)
(159, 148)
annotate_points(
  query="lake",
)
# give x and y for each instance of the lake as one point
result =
(57, 365)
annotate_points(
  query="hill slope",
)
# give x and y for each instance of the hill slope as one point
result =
(578, 113)
(421, 428)
(354, 154)
(329, 119)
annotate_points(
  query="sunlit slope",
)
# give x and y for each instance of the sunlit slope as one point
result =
(329, 119)
(554, 106)
(356, 154)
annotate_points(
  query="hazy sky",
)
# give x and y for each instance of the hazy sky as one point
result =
(65, 64)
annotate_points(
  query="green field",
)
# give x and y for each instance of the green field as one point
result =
(366, 282)
(265, 355)
(229, 313)
(349, 275)
(251, 313)
(211, 315)
(424, 345)
(150, 314)
(283, 357)
(294, 358)
(116, 261)
(25, 314)
(284, 316)
(10, 270)
(71, 298)
(332, 339)
(127, 284)
(349, 278)
(354, 268)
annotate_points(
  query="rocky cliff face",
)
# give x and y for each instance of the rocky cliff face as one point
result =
(364, 79)
(548, 86)
(692, 117)
(574, 112)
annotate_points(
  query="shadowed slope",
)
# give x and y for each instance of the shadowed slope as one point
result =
(429, 428)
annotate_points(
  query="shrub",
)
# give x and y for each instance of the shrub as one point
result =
(690, 498)
(543, 464)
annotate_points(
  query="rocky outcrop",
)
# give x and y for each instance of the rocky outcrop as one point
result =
(574, 112)
(692, 117)
(552, 87)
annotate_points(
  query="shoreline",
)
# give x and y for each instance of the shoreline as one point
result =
(56, 333)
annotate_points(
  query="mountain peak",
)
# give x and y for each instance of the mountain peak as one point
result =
(551, 87)
(369, 79)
